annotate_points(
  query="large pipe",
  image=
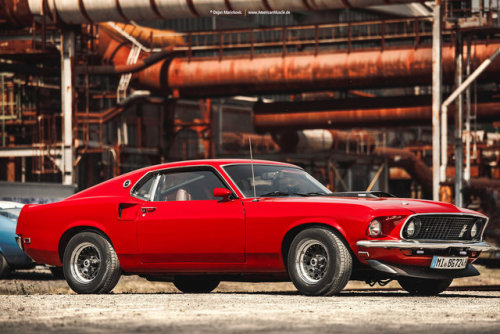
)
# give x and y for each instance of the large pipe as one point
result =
(360, 118)
(201, 77)
(398, 157)
(93, 11)
(143, 36)
(332, 70)
(318, 140)
(140, 65)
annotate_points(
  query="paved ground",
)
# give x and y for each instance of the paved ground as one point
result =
(33, 303)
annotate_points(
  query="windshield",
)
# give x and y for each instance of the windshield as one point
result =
(274, 180)
(11, 214)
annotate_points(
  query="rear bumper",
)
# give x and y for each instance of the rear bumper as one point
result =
(472, 246)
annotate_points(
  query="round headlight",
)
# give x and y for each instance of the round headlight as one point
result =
(375, 228)
(474, 230)
(410, 229)
(413, 228)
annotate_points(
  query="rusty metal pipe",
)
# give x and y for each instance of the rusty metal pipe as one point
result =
(16, 12)
(407, 160)
(202, 77)
(333, 70)
(361, 118)
(93, 11)
(140, 65)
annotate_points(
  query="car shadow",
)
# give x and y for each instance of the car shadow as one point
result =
(30, 276)
(389, 293)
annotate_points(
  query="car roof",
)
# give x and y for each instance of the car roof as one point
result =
(10, 205)
(214, 163)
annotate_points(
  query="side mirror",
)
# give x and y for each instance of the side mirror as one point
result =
(224, 193)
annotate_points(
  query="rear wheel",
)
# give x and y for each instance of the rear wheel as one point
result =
(424, 287)
(196, 284)
(90, 264)
(319, 264)
(4, 267)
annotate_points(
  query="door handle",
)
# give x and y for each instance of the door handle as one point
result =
(147, 209)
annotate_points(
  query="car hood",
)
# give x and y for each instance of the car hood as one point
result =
(413, 205)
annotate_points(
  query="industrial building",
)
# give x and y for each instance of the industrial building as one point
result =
(400, 96)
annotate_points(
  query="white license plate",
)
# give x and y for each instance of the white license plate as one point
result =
(441, 262)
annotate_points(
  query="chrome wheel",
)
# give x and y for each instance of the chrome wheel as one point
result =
(312, 261)
(85, 262)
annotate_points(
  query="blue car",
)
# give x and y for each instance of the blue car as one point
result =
(11, 256)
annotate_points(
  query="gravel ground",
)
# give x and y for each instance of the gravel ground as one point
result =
(33, 302)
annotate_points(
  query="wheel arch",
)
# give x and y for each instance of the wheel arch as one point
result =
(71, 232)
(295, 230)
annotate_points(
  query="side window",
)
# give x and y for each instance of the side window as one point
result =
(143, 189)
(187, 186)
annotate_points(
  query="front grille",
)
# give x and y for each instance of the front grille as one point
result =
(444, 227)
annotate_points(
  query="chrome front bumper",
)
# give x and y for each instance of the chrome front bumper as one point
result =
(473, 246)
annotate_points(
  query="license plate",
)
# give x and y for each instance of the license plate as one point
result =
(441, 262)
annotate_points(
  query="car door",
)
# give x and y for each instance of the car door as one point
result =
(183, 222)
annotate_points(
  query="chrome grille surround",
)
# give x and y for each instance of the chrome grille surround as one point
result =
(448, 227)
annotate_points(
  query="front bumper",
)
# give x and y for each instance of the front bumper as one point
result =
(406, 244)
(393, 269)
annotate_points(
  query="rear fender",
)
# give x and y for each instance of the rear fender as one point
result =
(77, 227)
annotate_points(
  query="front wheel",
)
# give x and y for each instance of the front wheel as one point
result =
(319, 264)
(196, 284)
(90, 264)
(424, 287)
(4, 267)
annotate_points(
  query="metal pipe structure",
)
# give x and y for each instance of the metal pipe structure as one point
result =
(202, 77)
(318, 140)
(459, 149)
(67, 54)
(437, 77)
(140, 65)
(444, 108)
(21, 12)
(355, 118)
(298, 73)
(467, 118)
(398, 157)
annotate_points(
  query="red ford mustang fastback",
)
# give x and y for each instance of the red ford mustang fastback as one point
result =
(199, 222)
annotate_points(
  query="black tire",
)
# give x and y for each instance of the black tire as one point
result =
(57, 272)
(196, 284)
(319, 263)
(90, 264)
(4, 267)
(424, 287)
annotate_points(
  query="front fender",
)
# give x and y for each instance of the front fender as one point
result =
(328, 221)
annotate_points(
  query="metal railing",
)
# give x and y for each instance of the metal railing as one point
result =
(348, 35)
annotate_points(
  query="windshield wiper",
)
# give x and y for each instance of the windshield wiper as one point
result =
(309, 194)
(275, 193)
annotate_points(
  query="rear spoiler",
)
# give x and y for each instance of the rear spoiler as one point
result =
(362, 194)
